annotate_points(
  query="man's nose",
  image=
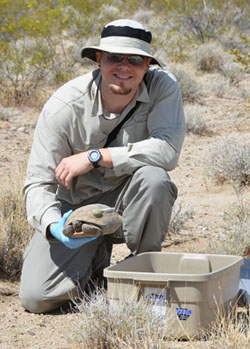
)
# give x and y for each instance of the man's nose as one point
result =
(124, 61)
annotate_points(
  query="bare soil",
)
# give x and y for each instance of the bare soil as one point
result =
(207, 200)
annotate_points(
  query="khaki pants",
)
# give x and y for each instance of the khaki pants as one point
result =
(52, 273)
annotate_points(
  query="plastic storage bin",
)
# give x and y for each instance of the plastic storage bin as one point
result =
(187, 289)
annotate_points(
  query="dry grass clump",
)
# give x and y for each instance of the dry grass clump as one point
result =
(195, 121)
(232, 71)
(235, 238)
(211, 57)
(220, 87)
(179, 218)
(129, 324)
(230, 332)
(189, 87)
(15, 232)
(119, 324)
(229, 160)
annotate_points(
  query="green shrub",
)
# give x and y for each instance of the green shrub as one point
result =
(40, 41)
(242, 58)
(24, 64)
(29, 33)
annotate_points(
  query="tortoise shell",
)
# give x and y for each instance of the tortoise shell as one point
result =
(92, 220)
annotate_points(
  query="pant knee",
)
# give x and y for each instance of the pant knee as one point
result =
(157, 183)
(35, 296)
(33, 301)
(36, 302)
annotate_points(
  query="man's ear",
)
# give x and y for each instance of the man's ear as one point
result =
(148, 61)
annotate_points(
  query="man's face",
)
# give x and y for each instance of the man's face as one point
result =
(122, 74)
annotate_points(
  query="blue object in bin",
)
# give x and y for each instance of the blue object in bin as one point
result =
(245, 279)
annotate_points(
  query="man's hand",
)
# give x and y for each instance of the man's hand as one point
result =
(56, 230)
(78, 164)
(71, 167)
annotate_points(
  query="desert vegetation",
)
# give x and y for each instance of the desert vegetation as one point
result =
(206, 45)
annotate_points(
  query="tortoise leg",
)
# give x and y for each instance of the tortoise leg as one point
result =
(91, 230)
(68, 230)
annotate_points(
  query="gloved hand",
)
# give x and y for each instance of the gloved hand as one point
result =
(56, 230)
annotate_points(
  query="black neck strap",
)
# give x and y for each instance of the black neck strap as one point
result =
(115, 131)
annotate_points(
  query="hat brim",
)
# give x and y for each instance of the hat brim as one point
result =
(90, 52)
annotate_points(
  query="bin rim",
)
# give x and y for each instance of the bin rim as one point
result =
(168, 277)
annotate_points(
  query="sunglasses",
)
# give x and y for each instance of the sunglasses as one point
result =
(118, 58)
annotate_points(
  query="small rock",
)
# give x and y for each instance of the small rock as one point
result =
(21, 129)
(5, 124)
(31, 333)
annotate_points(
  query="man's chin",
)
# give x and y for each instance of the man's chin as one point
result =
(121, 90)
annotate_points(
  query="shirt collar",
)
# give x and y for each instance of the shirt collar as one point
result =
(95, 94)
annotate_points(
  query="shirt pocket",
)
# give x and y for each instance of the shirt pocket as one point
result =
(135, 129)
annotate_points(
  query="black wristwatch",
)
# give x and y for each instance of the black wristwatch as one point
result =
(94, 157)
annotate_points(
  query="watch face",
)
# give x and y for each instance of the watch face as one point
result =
(94, 156)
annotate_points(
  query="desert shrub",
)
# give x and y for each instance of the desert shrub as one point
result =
(220, 87)
(242, 58)
(230, 331)
(209, 57)
(23, 65)
(232, 71)
(233, 39)
(235, 237)
(179, 218)
(81, 18)
(244, 94)
(28, 46)
(229, 160)
(15, 232)
(212, 57)
(121, 323)
(195, 122)
(206, 20)
(189, 87)
(40, 41)
(105, 323)
(172, 44)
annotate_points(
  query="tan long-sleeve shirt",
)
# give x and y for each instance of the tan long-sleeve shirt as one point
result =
(73, 121)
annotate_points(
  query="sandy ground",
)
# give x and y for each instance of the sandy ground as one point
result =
(225, 116)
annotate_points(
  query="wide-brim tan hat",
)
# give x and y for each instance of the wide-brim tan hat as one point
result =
(126, 37)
